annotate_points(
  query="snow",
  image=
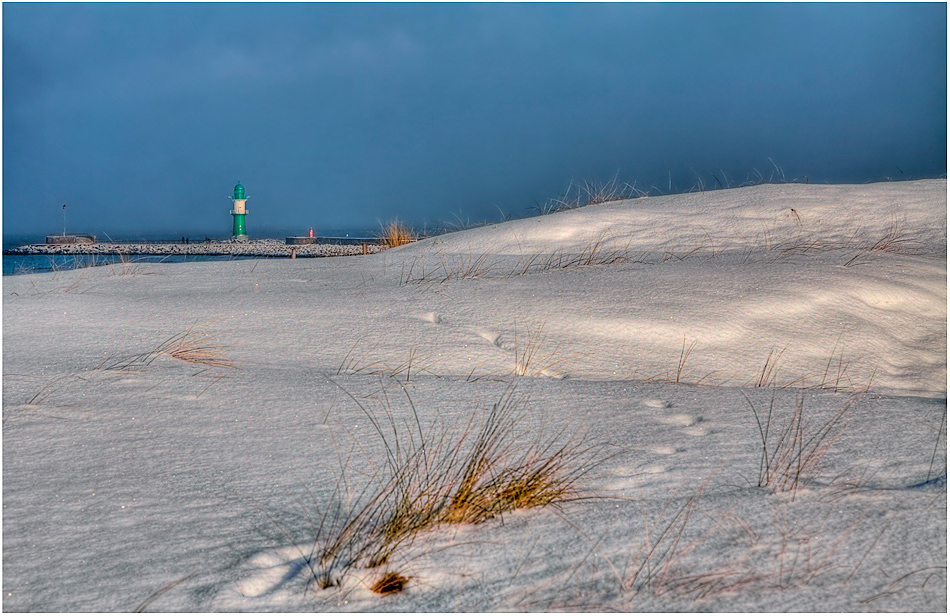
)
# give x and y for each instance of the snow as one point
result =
(644, 324)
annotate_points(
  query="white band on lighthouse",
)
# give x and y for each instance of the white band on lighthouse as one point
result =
(239, 198)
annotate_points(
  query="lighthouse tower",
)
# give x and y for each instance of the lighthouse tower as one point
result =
(240, 231)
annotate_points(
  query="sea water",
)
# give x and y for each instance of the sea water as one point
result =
(36, 264)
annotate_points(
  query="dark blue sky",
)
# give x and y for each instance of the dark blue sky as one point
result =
(141, 117)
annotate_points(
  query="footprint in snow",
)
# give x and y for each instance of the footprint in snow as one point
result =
(491, 337)
(681, 419)
(432, 317)
(628, 478)
(656, 403)
(687, 422)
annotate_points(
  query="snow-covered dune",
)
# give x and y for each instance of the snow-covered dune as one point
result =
(851, 275)
(191, 423)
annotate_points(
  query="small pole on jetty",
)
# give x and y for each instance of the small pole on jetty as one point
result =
(239, 230)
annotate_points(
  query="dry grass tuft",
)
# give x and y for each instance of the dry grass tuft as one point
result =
(465, 266)
(601, 249)
(360, 364)
(679, 374)
(450, 267)
(795, 550)
(684, 356)
(836, 376)
(529, 361)
(52, 387)
(590, 192)
(449, 476)
(196, 345)
(161, 591)
(941, 434)
(792, 455)
(912, 579)
(664, 546)
(396, 233)
(128, 268)
(390, 583)
(896, 240)
(769, 373)
(842, 381)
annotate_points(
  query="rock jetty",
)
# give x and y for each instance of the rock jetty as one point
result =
(243, 248)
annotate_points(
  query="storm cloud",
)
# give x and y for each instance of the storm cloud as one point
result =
(142, 117)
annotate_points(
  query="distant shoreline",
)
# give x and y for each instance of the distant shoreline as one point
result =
(326, 247)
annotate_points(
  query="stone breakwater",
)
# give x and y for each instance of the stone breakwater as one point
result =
(250, 248)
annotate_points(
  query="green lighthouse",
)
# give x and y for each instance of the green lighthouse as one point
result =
(240, 231)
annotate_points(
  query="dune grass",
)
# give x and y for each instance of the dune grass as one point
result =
(449, 267)
(690, 552)
(679, 373)
(796, 549)
(355, 362)
(128, 268)
(663, 546)
(438, 476)
(52, 386)
(531, 361)
(161, 591)
(836, 376)
(532, 357)
(467, 476)
(389, 583)
(198, 344)
(589, 192)
(769, 373)
(779, 241)
(792, 454)
(895, 240)
(941, 435)
(396, 233)
(601, 249)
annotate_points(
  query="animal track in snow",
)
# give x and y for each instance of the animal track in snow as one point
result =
(696, 431)
(432, 317)
(491, 337)
(681, 419)
(656, 403)
(626, 477)
(662, 450)
(183, 397)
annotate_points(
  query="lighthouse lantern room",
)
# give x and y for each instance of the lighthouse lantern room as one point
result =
(239, 212)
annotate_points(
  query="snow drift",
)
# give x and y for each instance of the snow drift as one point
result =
(176, 436)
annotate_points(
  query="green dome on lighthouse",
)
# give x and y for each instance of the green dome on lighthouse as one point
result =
(239, 191)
